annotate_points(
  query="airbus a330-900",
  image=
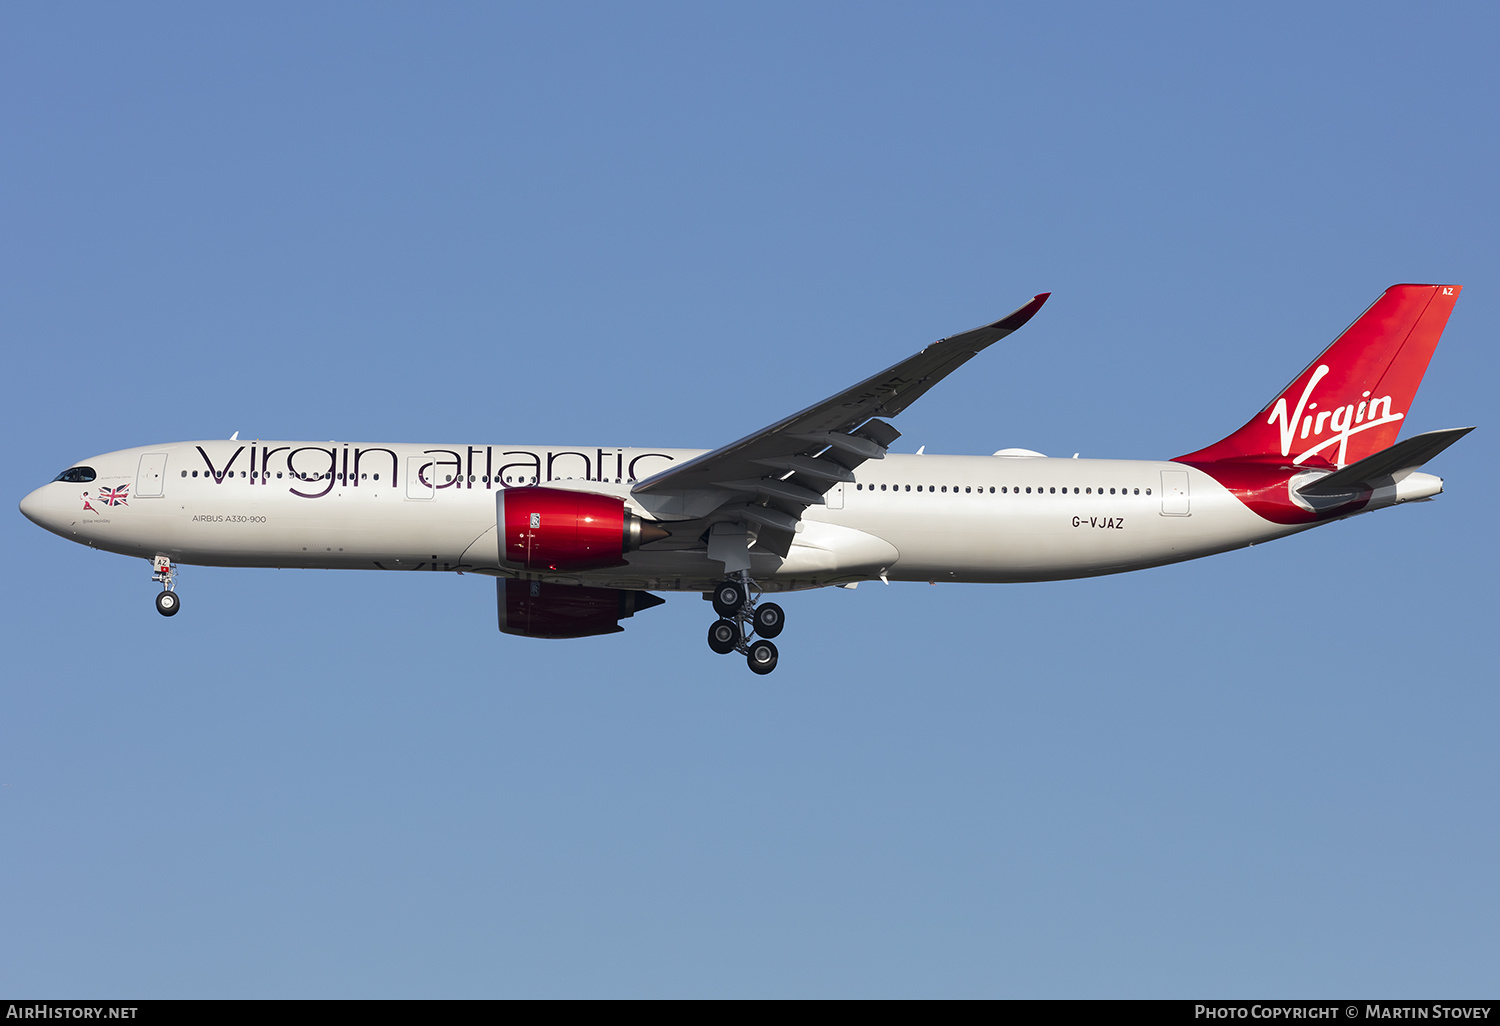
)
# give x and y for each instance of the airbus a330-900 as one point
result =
(578, 538)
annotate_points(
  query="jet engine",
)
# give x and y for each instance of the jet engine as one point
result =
(554, 529)
(538, 609)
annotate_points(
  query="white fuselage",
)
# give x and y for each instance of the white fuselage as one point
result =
(427, 507)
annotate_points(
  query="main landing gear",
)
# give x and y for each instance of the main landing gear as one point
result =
(740, 617)
(162, 571)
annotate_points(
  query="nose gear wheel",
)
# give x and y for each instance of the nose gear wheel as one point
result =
(165, 574)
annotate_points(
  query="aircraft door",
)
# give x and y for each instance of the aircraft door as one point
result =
(1175, 501)
(834, 497)
(419, 477)
(151, 478)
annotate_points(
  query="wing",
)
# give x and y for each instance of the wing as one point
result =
(769, 478)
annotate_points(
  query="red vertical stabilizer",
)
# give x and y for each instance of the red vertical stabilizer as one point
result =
(1350, 401)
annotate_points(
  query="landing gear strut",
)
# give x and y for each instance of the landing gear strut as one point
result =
(740, 617)
(162, 571)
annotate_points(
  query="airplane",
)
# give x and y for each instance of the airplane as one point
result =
(579, 537)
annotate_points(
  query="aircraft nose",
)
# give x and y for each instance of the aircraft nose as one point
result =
(34, 507)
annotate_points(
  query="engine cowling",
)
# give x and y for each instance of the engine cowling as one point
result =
(555, 529)
(538, 609)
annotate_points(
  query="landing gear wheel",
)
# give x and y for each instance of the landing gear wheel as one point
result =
(167, 603)
(761, 657)
(729, 596)
(724, 636)
(768, 619)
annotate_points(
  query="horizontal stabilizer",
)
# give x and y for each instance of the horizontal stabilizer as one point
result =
(1407, 455)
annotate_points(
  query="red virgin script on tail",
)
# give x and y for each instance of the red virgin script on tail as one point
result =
(1344, 421)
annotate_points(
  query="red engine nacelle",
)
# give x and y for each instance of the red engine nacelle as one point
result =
(561, 530)
(537, 609)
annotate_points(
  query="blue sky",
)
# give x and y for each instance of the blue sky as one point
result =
(1272, 772)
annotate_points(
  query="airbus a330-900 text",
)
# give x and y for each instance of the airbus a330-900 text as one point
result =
(579, 538)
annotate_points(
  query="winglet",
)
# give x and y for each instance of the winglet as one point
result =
(1024, 314)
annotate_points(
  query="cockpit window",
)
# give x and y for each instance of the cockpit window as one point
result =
(76, 475)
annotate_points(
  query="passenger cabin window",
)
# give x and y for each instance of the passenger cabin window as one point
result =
(76, 475)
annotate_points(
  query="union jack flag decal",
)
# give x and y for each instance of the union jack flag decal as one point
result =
(115, 496)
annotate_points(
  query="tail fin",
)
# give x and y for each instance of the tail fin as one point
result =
(1349, 402)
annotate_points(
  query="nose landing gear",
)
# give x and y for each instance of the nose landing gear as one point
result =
(163, 572)
(740, 617)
